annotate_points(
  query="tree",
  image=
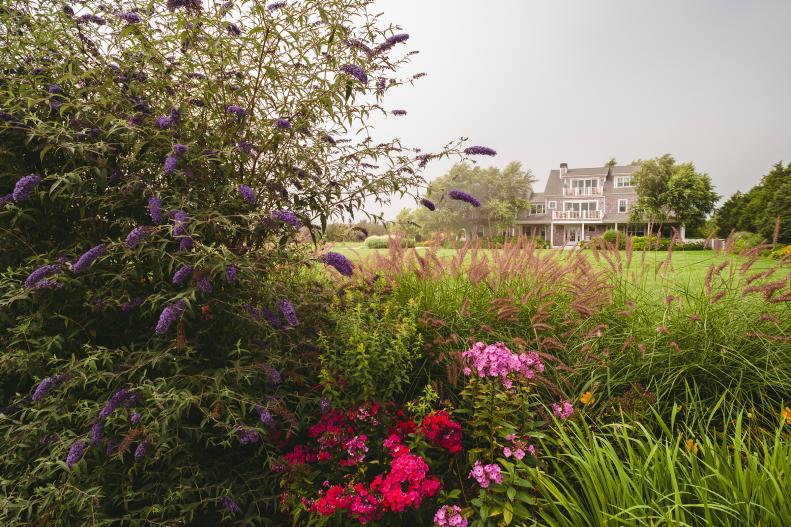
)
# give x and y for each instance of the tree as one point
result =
(611, 163)
(501, 193)
(759, 209)
(669, 191)
(156, 165)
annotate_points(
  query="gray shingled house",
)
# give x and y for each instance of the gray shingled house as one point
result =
(581, 203)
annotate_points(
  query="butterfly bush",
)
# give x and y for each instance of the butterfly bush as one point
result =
(127, 133)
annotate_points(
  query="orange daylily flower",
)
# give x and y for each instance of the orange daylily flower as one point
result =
(587, 398)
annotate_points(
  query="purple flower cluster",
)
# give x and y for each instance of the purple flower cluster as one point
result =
(359, 44)
(24, 187)
(88, 257)
(245, 146)
(169, 315)
(563, 409)
(97, 430)
(134, 418)
(179, 149)
(164, 122)
(135, 236)
(496, 360)
(339, 262)
(463, 196)
(480, 151)
(247, 436)
(265, 415)
(47, 384)
(230, 505)
(230, 274)
(155, 210)
(274, 6)
(185, 244)
(355, 71)
(124, 396)
(87, 17)
(428, 204)
(169, 166)
(283, 124)
(36, 279)
(449, 516)
(180, 219)
(391, 42)
(287, 217)
(486, 474)
(130, 17)
(399, 112)
(247, 193)
(75, 453)
(204, 284)
(182, 274)
(190, 5)
(238, 111)
(126, 307)
(287, 308)
(8, 198)
(141, 450)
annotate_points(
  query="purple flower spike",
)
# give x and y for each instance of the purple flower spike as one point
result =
(287, 217)
(283, 124)
(265, 415)
(24, 187)
(339, 262)
(230, 505)
(355, 71)
(182, 274)
(164, 122)
(8, 198)
(169, 315)
(480, 151)
(155, 210)
(179, 223)
(463, 196)
(204, 284)
(247, 435)
(75, 453)
(39, 274)
(274, 6)
(185, 244)
(230, 274)
(287, 308)
(399, 112)
(88, 257)
(135, 236)
(141, 450)
(397, 39)
(238, 111)
(247, 193)
(170, 164)
(47, 384)
(130, 18)
(428, 204)
(122, 396)
(134, 418)
(179, 149)
(97, 430)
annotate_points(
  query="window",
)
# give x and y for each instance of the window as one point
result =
(581, 206)
(552, 204)
(623, 181)
(584, 183)
(623, 205)
(536, 208)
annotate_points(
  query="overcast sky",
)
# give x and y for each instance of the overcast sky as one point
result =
(581, 81)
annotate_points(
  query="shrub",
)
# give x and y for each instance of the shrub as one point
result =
(157, 164)
(741, 242)
(383, 242)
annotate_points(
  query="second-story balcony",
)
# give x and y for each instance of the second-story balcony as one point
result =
(582, 191)
(580, 215)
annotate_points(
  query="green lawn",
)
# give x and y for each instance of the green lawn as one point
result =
(688, 268)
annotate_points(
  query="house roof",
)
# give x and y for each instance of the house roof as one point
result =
(554, 186)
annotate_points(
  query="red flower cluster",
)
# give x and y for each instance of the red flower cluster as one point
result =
(442, 431)
(405, 486)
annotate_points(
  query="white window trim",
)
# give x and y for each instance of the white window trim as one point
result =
(625, 205)
(572, 203)
(552, 205)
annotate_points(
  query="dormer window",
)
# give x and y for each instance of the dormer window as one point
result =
(552, 205)
(623, 182)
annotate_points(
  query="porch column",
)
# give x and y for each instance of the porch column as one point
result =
(616, 227)
(551, 235)
(582, 234)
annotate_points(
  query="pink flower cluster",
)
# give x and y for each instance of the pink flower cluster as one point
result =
(449, 517)
(485, 474)
(442, 431)
(518, 448)
(496, 360)
(563, 409)
(356, 449)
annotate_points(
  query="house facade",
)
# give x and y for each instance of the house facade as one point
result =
(581, 203)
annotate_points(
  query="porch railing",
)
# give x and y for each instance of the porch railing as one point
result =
(582, 191)
(577, 215)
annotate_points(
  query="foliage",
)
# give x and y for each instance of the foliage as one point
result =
(370, 351)
(758, 210)
(383, 242)
(157, 164)
(669, 191)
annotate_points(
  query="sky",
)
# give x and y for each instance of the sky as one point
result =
(582, 81)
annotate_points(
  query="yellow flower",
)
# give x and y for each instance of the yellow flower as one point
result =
(691, 446)
(787, 415)
(587, 398)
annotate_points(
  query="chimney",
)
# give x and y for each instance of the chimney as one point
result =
(563, 169)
